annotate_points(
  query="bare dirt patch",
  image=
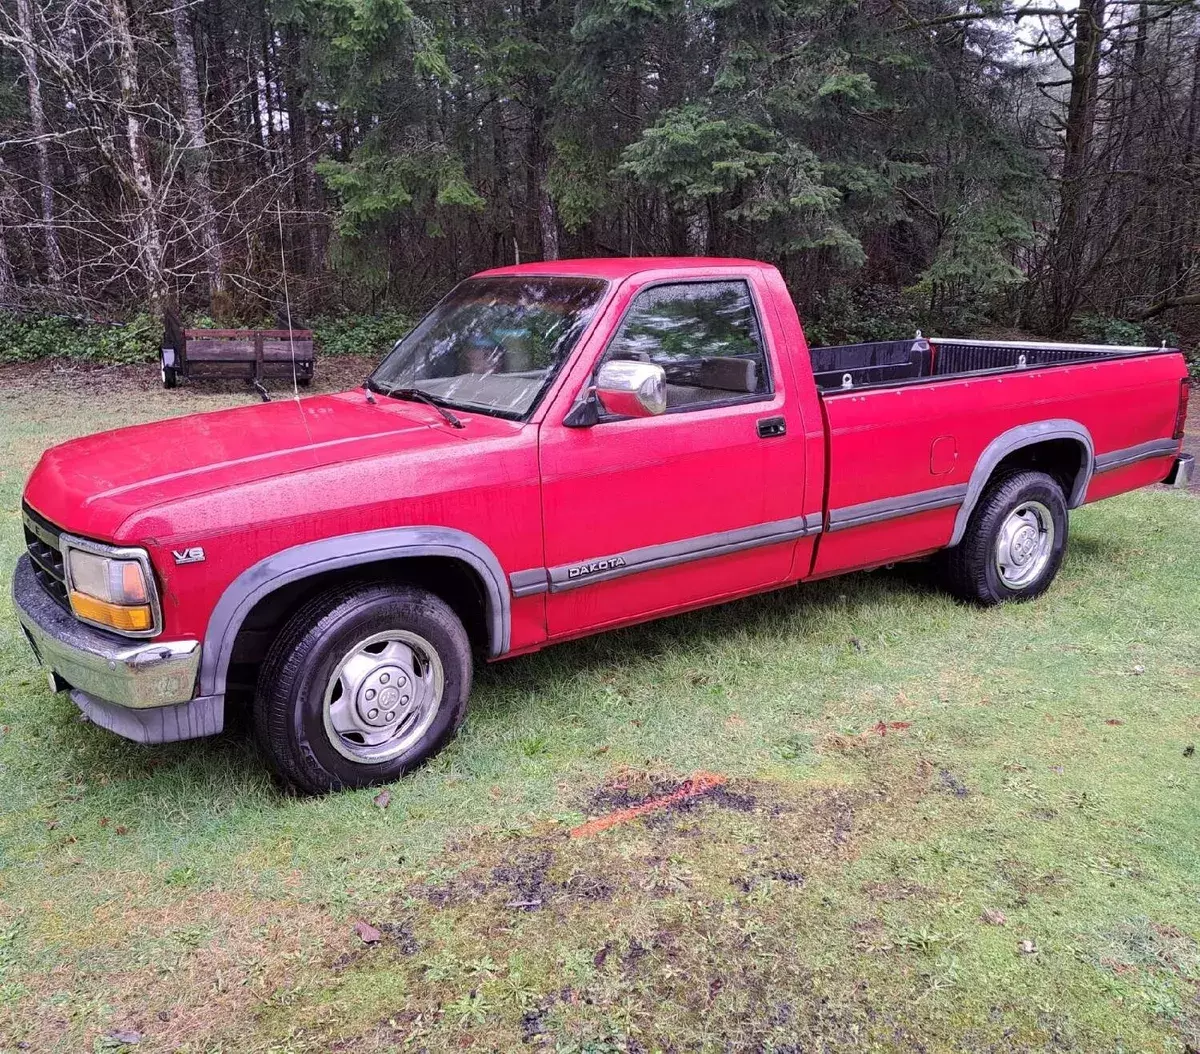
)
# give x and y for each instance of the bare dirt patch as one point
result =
(683, 921)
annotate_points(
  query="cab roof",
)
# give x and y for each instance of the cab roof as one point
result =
(615, 268)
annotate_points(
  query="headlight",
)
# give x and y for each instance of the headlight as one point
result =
(111, 587)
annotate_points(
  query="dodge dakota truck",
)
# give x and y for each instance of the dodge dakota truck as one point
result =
(556, 449)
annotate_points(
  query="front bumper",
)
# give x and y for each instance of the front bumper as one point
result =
(102, 666)
(1182, 471)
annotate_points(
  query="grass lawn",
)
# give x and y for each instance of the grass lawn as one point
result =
(942, 829)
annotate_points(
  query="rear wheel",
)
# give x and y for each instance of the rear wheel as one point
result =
(363, 684)
(1014, 543)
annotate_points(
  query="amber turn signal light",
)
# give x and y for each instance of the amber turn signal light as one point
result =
(118, 616)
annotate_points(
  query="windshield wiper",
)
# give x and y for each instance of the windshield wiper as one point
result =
(416, 394)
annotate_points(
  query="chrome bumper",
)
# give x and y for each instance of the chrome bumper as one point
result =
(102, 665)
(1182, 471)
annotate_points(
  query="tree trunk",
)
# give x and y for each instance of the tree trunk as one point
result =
(37, 123)
(305, 191)
(197, 146)
(148, 231)
(547, 210)
(537, 159)
(1070, 237)
(1191, 168)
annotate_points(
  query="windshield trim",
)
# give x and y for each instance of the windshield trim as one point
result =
(604, 286)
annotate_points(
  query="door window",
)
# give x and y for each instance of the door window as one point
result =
(705, 336)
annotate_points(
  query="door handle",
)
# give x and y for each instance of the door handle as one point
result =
(769, 427)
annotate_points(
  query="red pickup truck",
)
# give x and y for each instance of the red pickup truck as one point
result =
(556, 449)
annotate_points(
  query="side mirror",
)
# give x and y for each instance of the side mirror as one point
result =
(632, 389)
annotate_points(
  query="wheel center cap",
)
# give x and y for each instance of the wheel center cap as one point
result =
(1024, 544)
(384, 696)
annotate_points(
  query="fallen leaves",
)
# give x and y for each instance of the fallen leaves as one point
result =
(1027, 947)
(883, 727)
(994, 917)
(383, 799)
(1114, 721)
(847, 741)
(367, 933)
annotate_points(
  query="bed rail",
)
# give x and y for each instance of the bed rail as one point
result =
(893, 362)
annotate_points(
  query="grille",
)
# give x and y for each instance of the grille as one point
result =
(41, 542)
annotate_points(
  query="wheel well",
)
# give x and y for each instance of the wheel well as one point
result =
(1064, 460)
(452, 580)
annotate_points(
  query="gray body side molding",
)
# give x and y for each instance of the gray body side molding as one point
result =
(893, 508)
(1014, 439)
(604, 568)
(1131, 455)
(348, 550)
(529, 583)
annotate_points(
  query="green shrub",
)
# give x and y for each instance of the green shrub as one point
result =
(853, 316)
(360, 334)
(26, 339)
(1104, 329)
(29, 338)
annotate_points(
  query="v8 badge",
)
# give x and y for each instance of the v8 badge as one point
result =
(194, 555)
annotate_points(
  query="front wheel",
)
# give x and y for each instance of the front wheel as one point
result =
(361, 685)
(1014, 543)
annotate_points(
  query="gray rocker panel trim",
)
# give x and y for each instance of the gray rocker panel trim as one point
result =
(529, 583)
(1131, 455)
(652, 557)
(348, 550)
(1014, 439)
(892, 508)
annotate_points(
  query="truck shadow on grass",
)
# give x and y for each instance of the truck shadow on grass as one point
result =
(832, 612)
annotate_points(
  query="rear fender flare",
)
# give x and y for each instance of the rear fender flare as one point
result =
(346, 551)
(1015, 439)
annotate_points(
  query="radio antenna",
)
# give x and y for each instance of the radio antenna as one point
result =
(287, 300)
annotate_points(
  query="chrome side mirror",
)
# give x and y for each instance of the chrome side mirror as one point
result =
(632, 389)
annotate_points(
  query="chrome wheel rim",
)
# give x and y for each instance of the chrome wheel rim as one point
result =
(1025, 544)
(382, 696)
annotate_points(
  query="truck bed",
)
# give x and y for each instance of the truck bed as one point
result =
(889, 363)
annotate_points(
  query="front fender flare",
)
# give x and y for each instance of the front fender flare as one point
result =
(348, 550)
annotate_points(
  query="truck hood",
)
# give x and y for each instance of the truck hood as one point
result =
(93, 484)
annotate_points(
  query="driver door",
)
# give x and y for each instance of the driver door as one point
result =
(645, 515)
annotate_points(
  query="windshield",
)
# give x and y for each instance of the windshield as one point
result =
(493, 344)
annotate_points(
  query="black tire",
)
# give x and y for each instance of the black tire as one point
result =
(970, 570)
(290, 717)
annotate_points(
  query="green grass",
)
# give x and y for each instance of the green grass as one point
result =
(829, 898)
